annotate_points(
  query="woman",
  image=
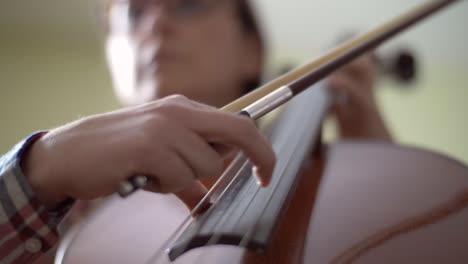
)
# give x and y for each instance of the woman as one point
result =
(213, 52)
(208, 50)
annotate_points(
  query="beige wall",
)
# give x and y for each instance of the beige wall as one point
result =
(45, 83)
(434, 115)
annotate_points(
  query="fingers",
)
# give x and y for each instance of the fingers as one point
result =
(361, 69)
(170, 171)
(201, 136)
(223, 130)
(354, 102)
(239, 132)
(346, 91)
(199, 155)
(352, 86)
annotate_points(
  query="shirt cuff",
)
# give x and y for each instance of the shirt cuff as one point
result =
(29, 217)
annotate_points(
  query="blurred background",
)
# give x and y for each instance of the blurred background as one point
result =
(53, 70)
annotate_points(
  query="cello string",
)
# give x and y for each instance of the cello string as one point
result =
(214, 205)
(190, 219)
(248, 235)
(176, 235)
(239, 160)
(434, 215)
(295, 118)
(215, 238)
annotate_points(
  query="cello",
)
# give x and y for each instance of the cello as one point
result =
(323, 214)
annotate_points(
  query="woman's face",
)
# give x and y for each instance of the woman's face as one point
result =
(197, 48)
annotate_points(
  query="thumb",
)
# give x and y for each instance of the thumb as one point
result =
(192, 195)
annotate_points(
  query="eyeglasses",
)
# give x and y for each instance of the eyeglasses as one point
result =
(181, 9)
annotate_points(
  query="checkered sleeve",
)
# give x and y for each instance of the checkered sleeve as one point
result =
(27, 229)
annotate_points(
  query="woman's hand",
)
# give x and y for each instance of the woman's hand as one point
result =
(353, 101)
(174, 141)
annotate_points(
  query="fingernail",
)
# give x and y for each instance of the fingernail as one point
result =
(258, 178)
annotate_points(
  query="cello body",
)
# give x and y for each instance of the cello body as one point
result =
(365, 191)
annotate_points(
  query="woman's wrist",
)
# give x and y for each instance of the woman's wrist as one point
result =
(367, 123)
(38, 169)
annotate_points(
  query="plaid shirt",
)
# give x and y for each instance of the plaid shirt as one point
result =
(27, 229)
